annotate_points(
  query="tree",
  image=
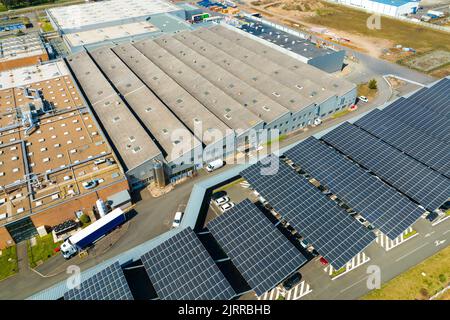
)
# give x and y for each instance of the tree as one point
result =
(373, 84)
(85, 219)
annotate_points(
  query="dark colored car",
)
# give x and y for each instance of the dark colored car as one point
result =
(290, 282)
(218, 195)
(432, 216)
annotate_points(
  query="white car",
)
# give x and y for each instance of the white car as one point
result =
(227, 206)
(221, 200)
(177, 219)
(363, 99)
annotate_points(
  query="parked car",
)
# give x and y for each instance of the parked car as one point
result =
(227, 206)
(221, 200)
(293, 280)
(363, 98)
(177, 219)
(213, 165)
(323, 261)
(218, 194)
(432, 216)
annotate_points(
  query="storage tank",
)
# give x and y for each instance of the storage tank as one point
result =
(159, 174)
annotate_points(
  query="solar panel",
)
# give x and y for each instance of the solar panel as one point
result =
(435, 98)
(419, 145)
(108, 284)
(256, 247)
(333, 233)
(419, 182)
(181, 269)
(383, 206)
(424, 111)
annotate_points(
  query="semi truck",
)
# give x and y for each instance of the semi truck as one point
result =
(89, 235)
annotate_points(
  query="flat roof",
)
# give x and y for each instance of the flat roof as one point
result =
(28, 45)
(258, 103)
(28, 75)
(275, 62)
(303, 47)
(157, 118)
(126, 30)
(231, 112)
(90, 14)
(193, 114)
(131, 141)
(59, 153)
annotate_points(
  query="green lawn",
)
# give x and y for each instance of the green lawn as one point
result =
(2, 7)
(8, 268)
(46, 26)
(409, 234)
(420, 282)
(43, 250)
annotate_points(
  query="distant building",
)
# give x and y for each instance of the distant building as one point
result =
(395, 8)
(22, 51)
(95, 24)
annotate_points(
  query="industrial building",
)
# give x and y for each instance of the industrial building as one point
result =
(319, 55)
(394, 8)
(95, 24)
(21, 51)
(54, 158)
(206, 83)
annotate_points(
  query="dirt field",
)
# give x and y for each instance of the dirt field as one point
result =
(429, 61)
(352, 24)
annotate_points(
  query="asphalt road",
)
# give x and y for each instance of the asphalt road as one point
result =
(353, 285)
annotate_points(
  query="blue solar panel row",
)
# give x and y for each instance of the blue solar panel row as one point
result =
(181, 269)
(335, 235)
(419, 145)
(256, 247)
(420, 118)
(419, 182)
(435, 98)
(108, 284)
(383, 206)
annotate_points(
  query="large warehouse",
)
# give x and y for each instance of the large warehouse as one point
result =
(395, 8)
(218, 86)
(54, 158)
(94, 24)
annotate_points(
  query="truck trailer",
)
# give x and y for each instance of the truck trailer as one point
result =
(89, 235)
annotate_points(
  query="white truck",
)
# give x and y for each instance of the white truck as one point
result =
(89, 235)
(213, 165)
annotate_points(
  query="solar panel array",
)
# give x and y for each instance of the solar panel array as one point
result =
(181, 269)
(256, 247)
(333, 233)
(108, 284)
(419, 182)
(383, 206)
(435, 98)
(427, 110)
(419, 145)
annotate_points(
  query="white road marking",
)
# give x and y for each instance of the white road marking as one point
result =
(445, 232)
(411, 252)
(354, 284)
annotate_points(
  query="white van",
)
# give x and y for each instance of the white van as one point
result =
(213, 165)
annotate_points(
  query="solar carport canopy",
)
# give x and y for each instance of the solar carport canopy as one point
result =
(333, 233)
(382, 205)
(419, 145)
(181, 269)
(421, 183)
(108, 284)
(260, 252)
